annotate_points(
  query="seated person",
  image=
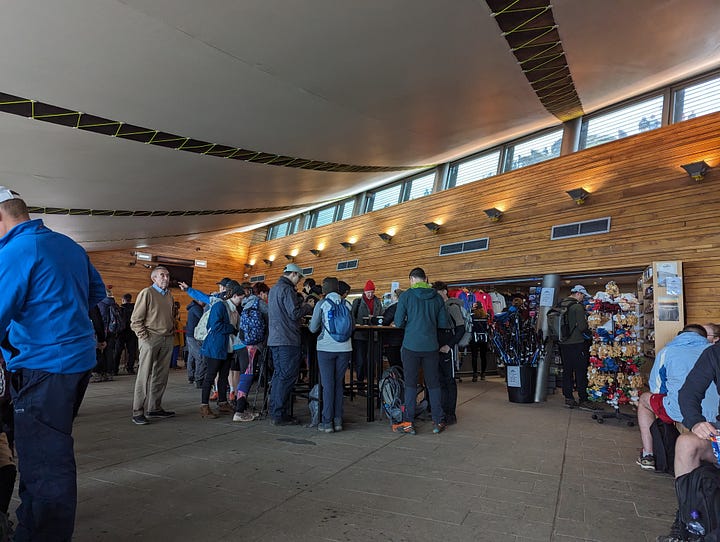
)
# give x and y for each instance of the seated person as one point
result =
(695, 447)
(672, 365)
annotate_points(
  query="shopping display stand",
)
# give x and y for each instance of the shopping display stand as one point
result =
(615, 356)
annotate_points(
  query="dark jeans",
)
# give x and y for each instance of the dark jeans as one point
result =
(575, 359)
(482, 348)
(221, 369)
(431, 367)
(448, 386)
(127, 340)
(45, 407)
(360, 354)
(286, 361)
(333, 366)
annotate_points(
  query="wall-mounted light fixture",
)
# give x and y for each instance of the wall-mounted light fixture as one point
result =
(143, 256)
(290, 257)
(493, 214)
(696, 170)
(579, 195)
(268, 262)
(347, 246)
(385, 237)
(432, 226)
(315, 252)
(248, 266)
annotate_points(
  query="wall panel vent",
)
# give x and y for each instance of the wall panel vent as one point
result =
(257, 278)
(472, 245)
(580, 229)
(347, 264)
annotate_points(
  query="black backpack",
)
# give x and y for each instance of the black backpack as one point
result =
(664, 436)
(558, 321)
(699, 491)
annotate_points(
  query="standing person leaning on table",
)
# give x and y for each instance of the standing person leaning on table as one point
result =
(421, 312)
(333, 358)
(364, 307)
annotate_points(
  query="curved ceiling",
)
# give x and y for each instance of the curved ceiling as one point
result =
(373, 84)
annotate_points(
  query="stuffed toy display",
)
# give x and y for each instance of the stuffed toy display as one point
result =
(615, 358)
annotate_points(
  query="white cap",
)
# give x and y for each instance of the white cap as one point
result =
(580, 288)
(6, 194)
(293, 268)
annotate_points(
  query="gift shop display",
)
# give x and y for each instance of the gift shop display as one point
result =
(660, 291)
(615, 356)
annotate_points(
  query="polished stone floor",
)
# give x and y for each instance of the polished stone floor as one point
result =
(505, 472)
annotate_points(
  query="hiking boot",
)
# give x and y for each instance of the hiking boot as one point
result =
(244, 417)
(439, 427)
(96, 378)
(160, 414)
(140, 420)
(571, 403)
(646, 462)
(225, 408)
(325, 427)
(207, 412)
(403, 427)
(589, 406)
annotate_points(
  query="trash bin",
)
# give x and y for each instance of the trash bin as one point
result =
(521, 383)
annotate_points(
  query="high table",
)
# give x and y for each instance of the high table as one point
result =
(374, 363)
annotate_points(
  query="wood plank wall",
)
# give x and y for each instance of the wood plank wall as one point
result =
(225, 255)
(657, 213)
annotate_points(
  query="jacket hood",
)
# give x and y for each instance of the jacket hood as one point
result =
(421, 292)
(688, 339)
(454, 301)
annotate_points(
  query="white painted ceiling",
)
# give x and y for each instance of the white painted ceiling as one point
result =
(368, 83)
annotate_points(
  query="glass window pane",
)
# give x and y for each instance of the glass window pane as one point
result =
(347, 209)
(421, 186)
(696, 100)
(534, 151)
(324, 216)
(480, 167)
(386, 198)
(281, 230)
(620, 123)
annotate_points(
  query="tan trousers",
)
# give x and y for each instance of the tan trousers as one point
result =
(152, 373)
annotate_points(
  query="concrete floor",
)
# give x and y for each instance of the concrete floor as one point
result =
(505, 472)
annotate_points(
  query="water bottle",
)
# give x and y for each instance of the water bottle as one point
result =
(694, 526)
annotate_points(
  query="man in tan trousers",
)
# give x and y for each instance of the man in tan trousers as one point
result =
(152, 321)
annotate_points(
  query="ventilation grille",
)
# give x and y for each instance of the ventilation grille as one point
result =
(580, 229)
(307, 271)
(347, 264)
(257, 278)
(473, 245)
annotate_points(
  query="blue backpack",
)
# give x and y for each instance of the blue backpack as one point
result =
(340, 322)
(252, 324)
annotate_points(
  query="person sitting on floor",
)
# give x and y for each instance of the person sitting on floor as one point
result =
(672, 365)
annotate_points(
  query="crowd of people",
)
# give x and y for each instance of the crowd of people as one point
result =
(48, 277)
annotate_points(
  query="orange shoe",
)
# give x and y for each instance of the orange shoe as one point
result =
(403, 427)
(214, 396)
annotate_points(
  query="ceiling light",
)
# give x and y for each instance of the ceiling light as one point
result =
(696, 170)
(579, 195)
(385, 237)
(432, 226)
(493, 214)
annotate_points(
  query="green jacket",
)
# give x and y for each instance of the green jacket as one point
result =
(577, 319)
(421, 311)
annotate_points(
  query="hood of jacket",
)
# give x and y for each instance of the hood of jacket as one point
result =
(421, 290)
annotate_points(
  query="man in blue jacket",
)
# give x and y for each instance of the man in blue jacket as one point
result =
(284, 314)
(47, 340)
(421, 312)
(672, 365)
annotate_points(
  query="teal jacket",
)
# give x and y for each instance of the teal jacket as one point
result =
(421, 312)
